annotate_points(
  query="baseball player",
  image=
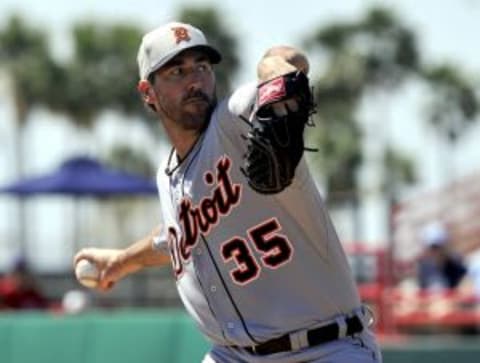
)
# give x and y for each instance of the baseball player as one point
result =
(256, 259)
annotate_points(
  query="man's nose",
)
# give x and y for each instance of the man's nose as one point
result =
(194, 81)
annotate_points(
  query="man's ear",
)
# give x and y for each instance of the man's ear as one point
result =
(145, 89)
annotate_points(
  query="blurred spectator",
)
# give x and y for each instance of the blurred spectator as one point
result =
(443, 290)
(18, 289)
(438, 267)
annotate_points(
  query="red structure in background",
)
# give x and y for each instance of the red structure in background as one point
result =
(380, 272)
(402, 311)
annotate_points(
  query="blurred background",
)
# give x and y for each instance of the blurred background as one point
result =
(397, 128)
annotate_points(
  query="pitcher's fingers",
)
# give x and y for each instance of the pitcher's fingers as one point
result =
(84, 253)
(107, 279)
(105, 284)
(111, 274)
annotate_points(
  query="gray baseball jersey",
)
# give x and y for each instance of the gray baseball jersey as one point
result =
(249, 267)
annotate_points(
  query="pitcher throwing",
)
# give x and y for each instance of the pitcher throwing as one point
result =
(255, 256)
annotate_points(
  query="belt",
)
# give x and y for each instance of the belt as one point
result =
(323, 334)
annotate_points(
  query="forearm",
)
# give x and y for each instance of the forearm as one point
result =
(115, 264)
(142, 254)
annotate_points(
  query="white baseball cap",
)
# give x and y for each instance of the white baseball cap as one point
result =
(165, 42)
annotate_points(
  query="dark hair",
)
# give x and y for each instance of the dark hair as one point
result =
(151, 78)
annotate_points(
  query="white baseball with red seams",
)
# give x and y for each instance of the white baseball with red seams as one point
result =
(87, 273)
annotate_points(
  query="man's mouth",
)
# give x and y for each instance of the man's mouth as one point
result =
(197, 97)
(196, 100)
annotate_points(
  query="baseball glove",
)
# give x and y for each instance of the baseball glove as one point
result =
(275, 143)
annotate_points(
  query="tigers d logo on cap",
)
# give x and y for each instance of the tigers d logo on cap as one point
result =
(181, 34)
(165, 42)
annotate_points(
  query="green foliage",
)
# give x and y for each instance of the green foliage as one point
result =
(399, 170)
(454, 104)
(333, 37)
(339, 155)
(103, 71)
(379, 43)
(377, 51)
(21, 41)
(337, 135)
(24, 52)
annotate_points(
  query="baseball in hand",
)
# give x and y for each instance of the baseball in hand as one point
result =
(87, 273)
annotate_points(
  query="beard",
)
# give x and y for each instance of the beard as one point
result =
(193, 112)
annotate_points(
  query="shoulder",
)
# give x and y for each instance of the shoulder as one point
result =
(242, 99)
(238, 105)
(161, 177)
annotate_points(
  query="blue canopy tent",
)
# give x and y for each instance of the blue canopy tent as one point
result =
(81, 177)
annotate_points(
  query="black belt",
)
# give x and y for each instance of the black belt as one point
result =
(323, 334)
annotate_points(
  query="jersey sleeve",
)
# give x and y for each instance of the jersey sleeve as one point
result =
(233, 112)
(160, 242)
(242, 100)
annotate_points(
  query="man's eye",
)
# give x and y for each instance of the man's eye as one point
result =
(204, 67)
(176, 71)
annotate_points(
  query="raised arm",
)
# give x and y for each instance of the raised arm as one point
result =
(283, 106)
